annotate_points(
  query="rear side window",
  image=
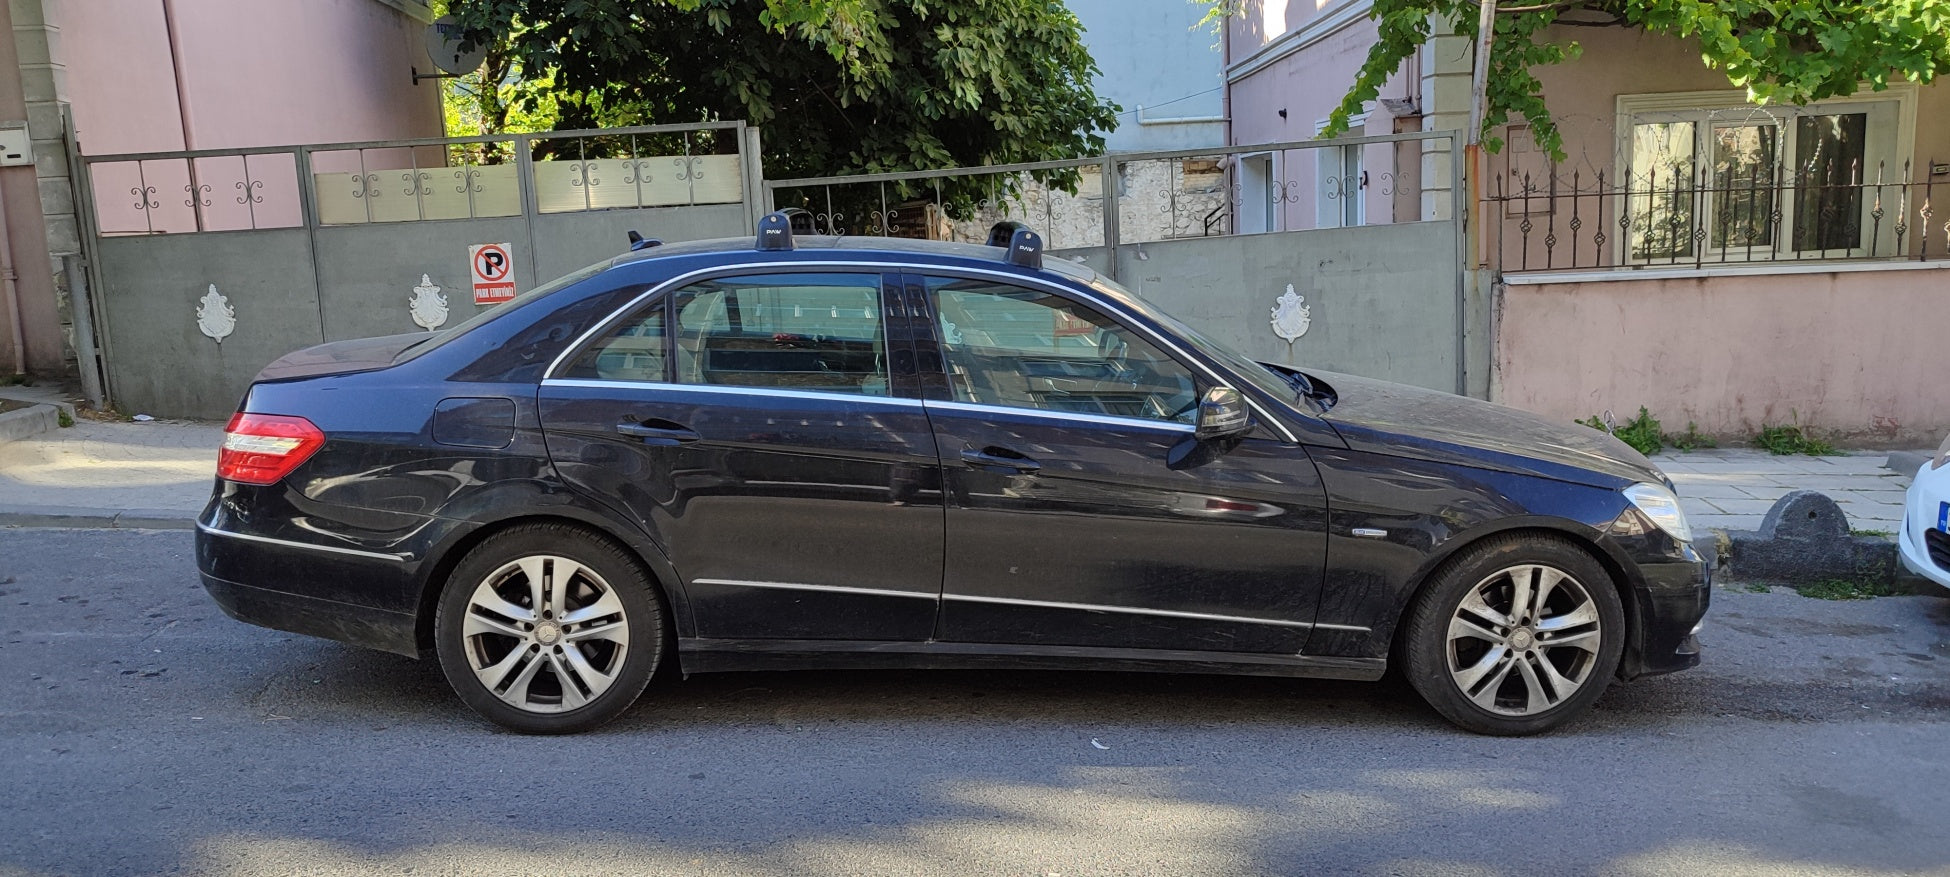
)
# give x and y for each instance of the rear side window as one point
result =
(814, 332)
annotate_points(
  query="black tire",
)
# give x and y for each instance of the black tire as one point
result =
(578, 674)
(1507, 678)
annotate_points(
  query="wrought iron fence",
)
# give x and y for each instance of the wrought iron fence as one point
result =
(1133, 198)
(1675, 216)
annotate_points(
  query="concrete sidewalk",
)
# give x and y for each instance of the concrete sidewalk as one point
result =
(110, 474)
(1731, 489)
(116, 473)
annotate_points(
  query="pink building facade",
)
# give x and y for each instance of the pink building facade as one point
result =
(140, 76)
(1716, 262)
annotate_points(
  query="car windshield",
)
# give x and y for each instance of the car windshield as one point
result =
(1268, 381)
(448, 334)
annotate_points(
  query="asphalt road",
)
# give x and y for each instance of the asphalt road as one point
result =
(145, 733)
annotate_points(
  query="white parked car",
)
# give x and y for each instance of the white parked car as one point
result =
(1926, 520)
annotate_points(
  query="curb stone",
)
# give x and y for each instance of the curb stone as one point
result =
(68, 517)
(27, 422)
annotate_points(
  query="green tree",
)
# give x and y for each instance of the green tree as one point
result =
(1796, 51)
(840, 86)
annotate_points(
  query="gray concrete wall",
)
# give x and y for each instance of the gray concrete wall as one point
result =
(1382, 297)
(567, 241)
(368, 271)
(162, 364)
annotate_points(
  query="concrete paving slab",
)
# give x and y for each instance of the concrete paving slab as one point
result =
(166, 466)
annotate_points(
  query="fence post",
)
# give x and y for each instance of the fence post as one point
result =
(80, 303)
(1112, 236)
(531, 205)
(308, 214)
(758, 196)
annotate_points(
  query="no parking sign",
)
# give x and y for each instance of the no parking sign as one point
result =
(493, 267)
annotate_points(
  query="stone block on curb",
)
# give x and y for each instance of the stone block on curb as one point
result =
(1805, 539)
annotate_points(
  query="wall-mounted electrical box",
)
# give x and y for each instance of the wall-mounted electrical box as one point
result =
(15, 149)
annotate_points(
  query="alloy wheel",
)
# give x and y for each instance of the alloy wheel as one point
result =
(1524, 640)
(545, 634)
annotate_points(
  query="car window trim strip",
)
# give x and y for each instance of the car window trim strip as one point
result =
(331, 549)
(1059, 414)
(1107, 307)
(733, 389)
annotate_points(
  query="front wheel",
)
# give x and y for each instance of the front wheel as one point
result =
(1515, 636)
(545, 629)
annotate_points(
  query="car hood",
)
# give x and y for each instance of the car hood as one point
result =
(340, 357)
(1400, 420)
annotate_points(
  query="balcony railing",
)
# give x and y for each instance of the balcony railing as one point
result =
(1673, 217)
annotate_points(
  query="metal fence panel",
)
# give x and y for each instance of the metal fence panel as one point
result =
(153, 289)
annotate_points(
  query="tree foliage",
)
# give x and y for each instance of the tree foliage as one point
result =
(840, 86)
(1793, 51)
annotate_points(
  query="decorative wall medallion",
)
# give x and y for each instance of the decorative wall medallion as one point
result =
(429, 307)
(1291, 316)
(215, 316)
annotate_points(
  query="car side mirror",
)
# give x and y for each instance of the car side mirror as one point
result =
(1222, 414)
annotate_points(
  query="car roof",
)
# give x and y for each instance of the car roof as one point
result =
(857, 244)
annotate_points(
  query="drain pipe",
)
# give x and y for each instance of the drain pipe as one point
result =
(8, 290)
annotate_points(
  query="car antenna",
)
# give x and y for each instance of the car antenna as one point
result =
(639, 242)
(775, 231)
(1024, 247)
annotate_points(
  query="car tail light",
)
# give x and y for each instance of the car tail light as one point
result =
(263, 448)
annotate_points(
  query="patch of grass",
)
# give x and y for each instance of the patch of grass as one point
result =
(1844, 589)
(1792, 439)
(1690, 440)
(64, 419)
(1756, 588)
(1882, 533)
(20, 380)
(1641, 432)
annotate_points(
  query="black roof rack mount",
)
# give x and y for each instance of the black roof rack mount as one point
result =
(775, 231)
(1024, 247)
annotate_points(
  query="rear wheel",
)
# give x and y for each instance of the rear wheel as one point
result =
(545, 629)
(1515, 636)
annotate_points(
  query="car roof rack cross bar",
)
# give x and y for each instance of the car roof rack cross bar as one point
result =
(1023, 247)
(639, 242)
(775, 231)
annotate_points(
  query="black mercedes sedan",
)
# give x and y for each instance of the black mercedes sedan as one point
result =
(797, 452)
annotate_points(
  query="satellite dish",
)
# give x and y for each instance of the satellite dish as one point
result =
(443, 44)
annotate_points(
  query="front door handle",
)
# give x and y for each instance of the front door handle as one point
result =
(997, 459)
(659, 432)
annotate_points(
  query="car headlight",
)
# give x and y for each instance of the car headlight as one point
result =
(1942, 455)
(1661, 506)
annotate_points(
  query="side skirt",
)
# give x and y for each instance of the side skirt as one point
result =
(700, 655)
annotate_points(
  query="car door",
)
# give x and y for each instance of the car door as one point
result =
(1081, 510)
(758, 428)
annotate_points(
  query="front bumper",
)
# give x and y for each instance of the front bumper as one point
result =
(1669, 609)
(1920, 510)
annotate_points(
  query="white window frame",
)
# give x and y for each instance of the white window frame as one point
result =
(1892, 142)
(1330, 163)
(1256, 194)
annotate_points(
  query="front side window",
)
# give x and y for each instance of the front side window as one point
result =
(1022, 348)
(812, 332)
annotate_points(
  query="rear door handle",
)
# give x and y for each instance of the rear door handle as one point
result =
(659, 432)
(999, 460)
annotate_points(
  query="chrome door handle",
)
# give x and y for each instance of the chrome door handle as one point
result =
(999, 459)
(672, 434)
